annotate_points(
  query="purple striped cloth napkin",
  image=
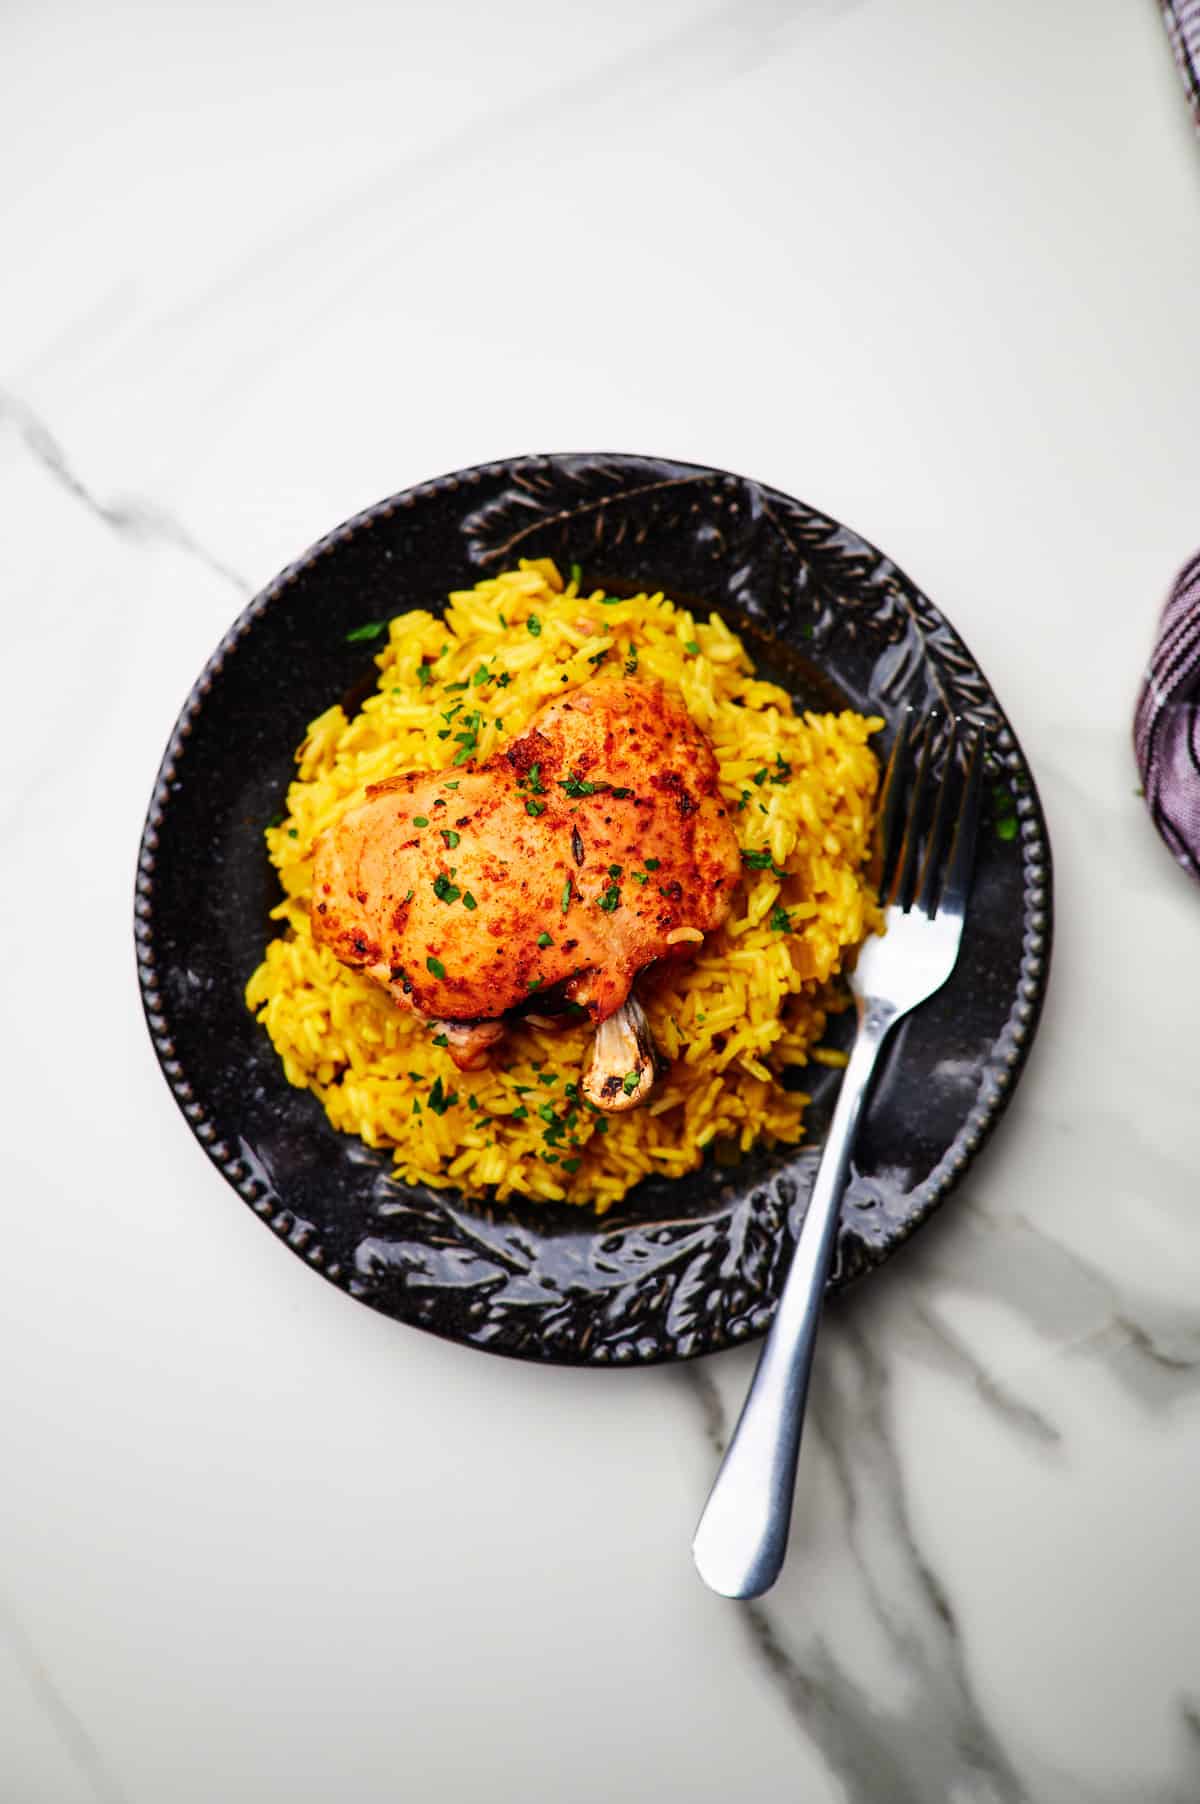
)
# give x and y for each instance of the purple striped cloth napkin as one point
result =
(1166, 727)
(1182, 18)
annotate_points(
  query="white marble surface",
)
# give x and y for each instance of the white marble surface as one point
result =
(930, 266)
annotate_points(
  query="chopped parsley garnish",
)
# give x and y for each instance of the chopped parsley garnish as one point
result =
(549, 1158)
(533, 983)
(611, 601)
(469, 901)
(535, 808)
(472, 1101)
(781, 921)
(543, 939)
(620, 795)
(444, 890)
(631, 661)
(420, 820)
(521, 1114)
(574, 786)
(439, 1101)
(690, 645)
(546, 1111)
(453, 785)
(450, 712)
(576, 573)
(639, 877)
(455, 688)
(566, 895)
(409, 894)
(547, 1077)
(503, 680)
(435, 965)
(614, 870)
(277, 820)
(451, 838)
(782, 770)
(534, 780)
(482, 675)
(598, 657)
(293, 833)
(533, 625)
(572, 1165)
(652, 864)
(760, 777)
(759, 860)
(610, 901)
(600, 1127)
(423, 674)
(629, 1082)
(441, 1040)
(371, 629)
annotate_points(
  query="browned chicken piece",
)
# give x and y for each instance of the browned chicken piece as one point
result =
(549, 875)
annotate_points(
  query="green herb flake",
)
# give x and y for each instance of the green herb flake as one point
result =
(600, 1127)
(640, 877)
(444, 890)
(533, 625)
(482, 675)
(535, 808)
(576, 786)
(546, 1111)
(611, 601)
(277, 820)
(521, 1114)
(759, 860)
(760, 777)
(630, 1081)
(576, 574)
(435, 966)
(469, 902)
(423, 675)
(409, 894)
(620, 795)
(441, 1040)
(451, 838)
(690, 645)
(543, 939)
(533, 983)
(572, 1165)
(472, 1101)
(416, 1108)
(780, 921)
(420, 820)
(782, 770)
(652, 864)
(534, 780)
(439, 1099)
(293, 833)
(566, 895)
(361, 635)
(547, 1077)
(610, 901)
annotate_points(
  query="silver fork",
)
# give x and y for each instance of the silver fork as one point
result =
(925, 876)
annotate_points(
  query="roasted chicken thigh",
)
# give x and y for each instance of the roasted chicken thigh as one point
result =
(548, 876)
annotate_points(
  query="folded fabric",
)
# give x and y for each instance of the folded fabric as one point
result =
(1166, 727)
(1183, 27)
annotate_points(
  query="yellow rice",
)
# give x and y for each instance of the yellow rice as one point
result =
(753, 1002)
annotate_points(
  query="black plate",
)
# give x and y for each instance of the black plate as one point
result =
(681, 1267)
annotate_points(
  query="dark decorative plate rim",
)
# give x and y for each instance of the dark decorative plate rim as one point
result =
(775, 1207)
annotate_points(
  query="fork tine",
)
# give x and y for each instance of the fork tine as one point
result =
(953, 898)
(887, 831)
(906, 869)
(931, 868)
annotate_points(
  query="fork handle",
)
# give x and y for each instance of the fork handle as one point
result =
(742, 1536)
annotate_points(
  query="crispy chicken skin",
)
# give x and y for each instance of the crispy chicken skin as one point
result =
(572, 859)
